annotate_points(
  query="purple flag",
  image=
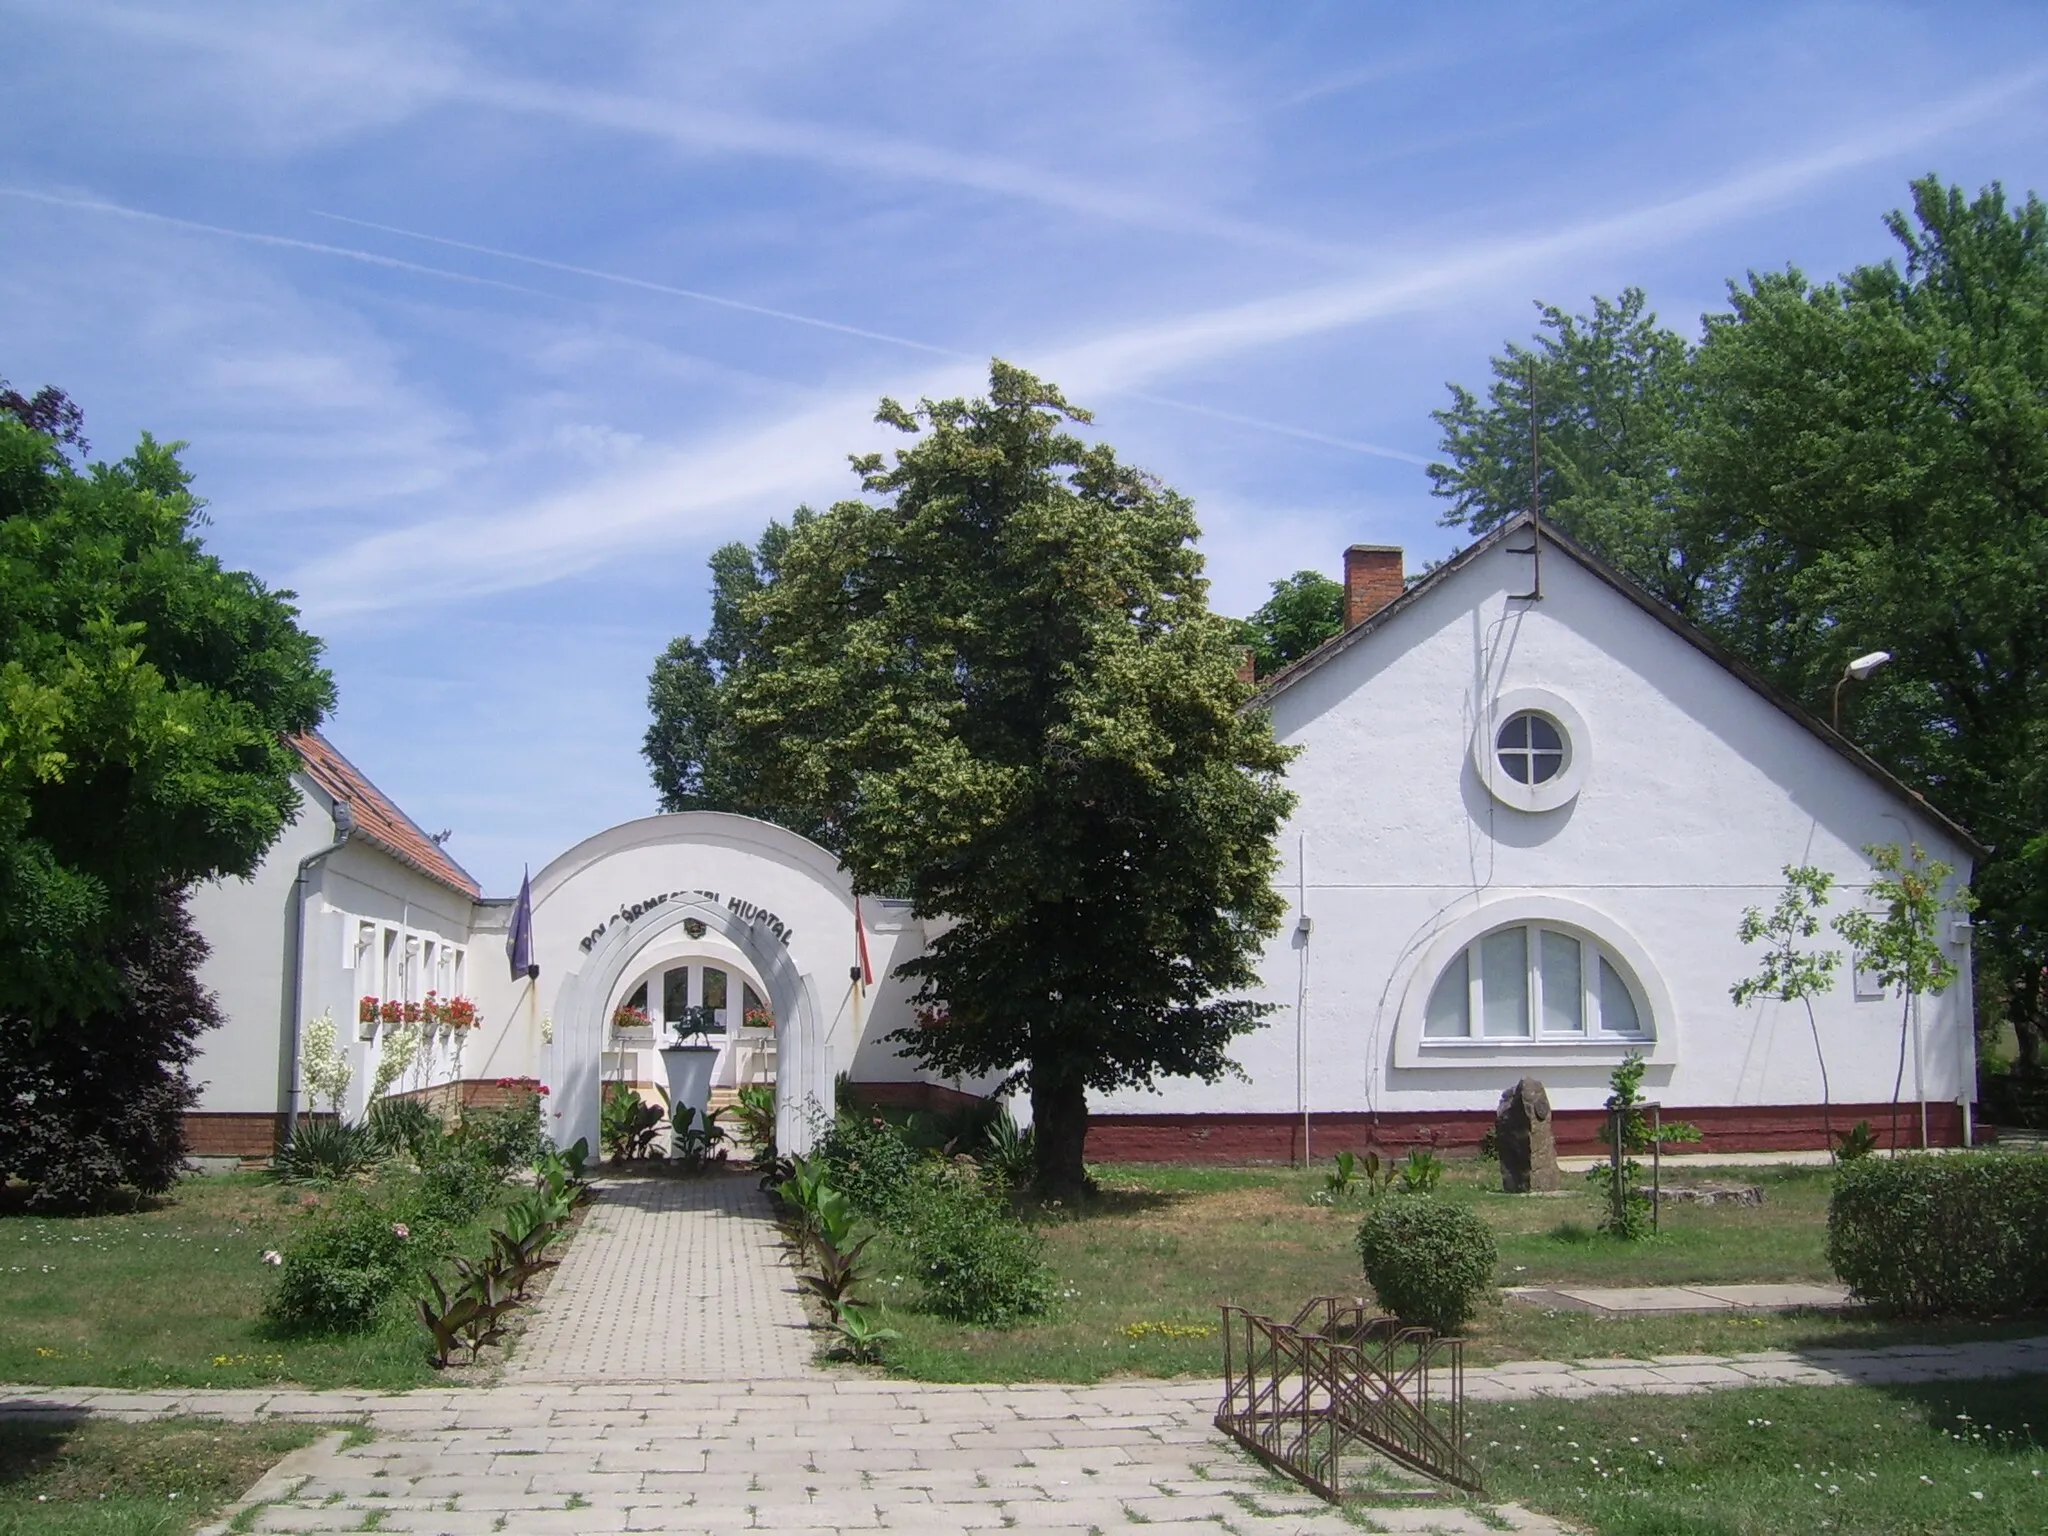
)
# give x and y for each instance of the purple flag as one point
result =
(519, 942)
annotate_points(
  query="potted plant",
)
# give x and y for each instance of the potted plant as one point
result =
(690, 1059)
(631, 1026)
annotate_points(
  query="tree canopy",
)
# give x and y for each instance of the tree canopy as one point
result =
(145, 694)
(1305, 609)
(999, 683)
(1834, 468)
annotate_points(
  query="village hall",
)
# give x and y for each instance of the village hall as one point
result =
(1533, 805)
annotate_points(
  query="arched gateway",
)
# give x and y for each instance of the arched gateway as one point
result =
(701, 888)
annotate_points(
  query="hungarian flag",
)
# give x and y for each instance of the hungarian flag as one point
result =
(519, 941)
(864, 973)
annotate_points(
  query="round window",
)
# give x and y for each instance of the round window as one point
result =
(1530, 748)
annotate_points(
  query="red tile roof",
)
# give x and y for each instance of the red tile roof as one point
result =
(378, 820)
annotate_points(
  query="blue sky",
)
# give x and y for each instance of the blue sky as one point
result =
(485, 323)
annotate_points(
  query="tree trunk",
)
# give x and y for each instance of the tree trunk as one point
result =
(1059, 1124)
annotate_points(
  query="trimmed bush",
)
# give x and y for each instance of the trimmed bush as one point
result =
(1429, 1262)
(347, 1261)
(975, 1262)
(1966, 1233)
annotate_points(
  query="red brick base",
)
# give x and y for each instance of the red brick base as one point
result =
(1278, 1138)
(224, 1133)
(936, 1098)
(232, 1135)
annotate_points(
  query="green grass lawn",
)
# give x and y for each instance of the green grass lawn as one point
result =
(172, 1295)
(1957, 1459)
(1167, 1244)
(94, 1477)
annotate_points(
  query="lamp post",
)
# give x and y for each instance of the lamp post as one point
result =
(1859, 669)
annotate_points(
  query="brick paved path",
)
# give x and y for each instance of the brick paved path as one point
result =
(669, 1280)
(857, 1453)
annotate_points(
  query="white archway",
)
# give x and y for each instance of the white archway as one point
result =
(804, 1069)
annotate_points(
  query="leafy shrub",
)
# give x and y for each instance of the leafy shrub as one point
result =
(346, 1261)
(404, 1125)
(457, 1182)
(755, 1111)
(507, 1136)
(975, 1262)
(626, 1123)
(325, 1151)
(1429, 1262)
(1009, 1156)
(873, 1166)
(1963, 1233)
(95, 1104)
(1856, 1142)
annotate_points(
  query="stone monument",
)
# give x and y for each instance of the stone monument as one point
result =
(1528, 1143)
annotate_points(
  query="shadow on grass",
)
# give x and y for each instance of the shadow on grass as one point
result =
(15, 1198)
(31, 1445)
(1105, 1203)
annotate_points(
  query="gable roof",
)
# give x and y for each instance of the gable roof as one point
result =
(1637, 594)
(379, 821)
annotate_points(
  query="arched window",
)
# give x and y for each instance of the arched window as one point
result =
(1536, 981)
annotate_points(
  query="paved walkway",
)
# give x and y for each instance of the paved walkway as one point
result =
(1616, 1301)
(669, 1280)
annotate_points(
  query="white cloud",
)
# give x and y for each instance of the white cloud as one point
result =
(693, 491)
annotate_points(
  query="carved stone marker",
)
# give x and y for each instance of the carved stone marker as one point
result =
(1528, 1143)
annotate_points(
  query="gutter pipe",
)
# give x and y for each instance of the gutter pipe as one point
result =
(344, 825)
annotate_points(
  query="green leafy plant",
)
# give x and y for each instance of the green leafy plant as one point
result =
(507, 1136)
(1791, 970)
(1008, 1156)
(345, 1261)
(492, 1289)
(1421, 1172)
(696, 1144)
(627, 1124)
(404, 1126)
(447, 1319)
(755, 1112)
(1429, 1261)
(1620, 1178)
(800, 1199)
(1901, 941)
(1954, 1234)
(861, 1337)
(974, 1261)
(1352, 1174)
(1859, 1141)
(325, 1151)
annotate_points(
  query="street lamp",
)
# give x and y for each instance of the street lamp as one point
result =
(1859, 669)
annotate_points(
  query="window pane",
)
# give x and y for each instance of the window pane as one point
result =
(1617, 1008)
(1450, 1002)
(639, 998)
(1504, 981)
(675, 993)
(1543, 736)
(714, 987)
(1564, 996)
(751, 999)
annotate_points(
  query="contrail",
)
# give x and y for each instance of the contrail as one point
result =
(648, 286)
(348, 253)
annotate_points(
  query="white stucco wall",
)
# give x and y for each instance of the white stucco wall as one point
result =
(247, 924)
(1698, 792)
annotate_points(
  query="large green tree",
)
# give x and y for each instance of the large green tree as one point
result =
(1304, 610)
(1839, 467)
(145, 694)
(1000, 682)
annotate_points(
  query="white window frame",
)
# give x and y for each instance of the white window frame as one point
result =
(1460, 930)
(1592, 994)
(1562, 787)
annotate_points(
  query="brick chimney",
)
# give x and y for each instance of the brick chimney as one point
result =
(1247, 665)
(1372, 579)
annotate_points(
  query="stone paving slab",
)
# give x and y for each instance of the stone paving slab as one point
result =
(1617, 1300)
(669, 1280)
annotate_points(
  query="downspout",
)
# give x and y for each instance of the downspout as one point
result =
(344, 824)
(1963, 932)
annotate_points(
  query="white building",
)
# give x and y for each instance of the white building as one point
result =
(1533, 805)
